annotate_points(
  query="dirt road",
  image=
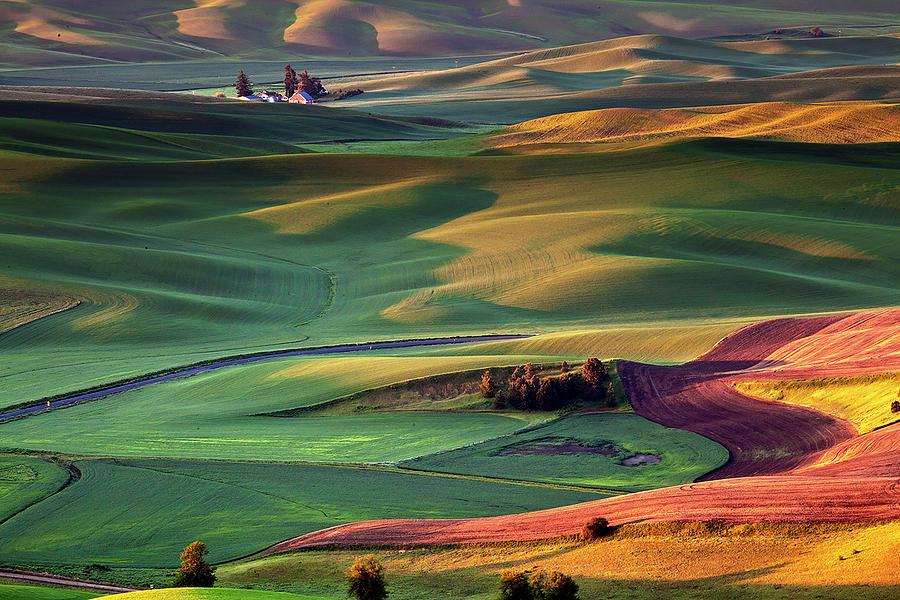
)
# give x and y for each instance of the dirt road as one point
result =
(47, 579)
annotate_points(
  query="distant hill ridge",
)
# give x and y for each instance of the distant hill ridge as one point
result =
(53, 32)
(840, 123)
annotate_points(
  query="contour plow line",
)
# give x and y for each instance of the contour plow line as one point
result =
(788, 463)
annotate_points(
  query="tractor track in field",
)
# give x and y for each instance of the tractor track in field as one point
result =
(788, 463)
(110, 389)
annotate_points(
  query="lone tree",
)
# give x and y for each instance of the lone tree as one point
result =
(488, 390)
(565, 367)
(610, 395)
(594, 529)
(365, 579)
(243, 85)
(194, 570)
(291, 81)
(514, 586)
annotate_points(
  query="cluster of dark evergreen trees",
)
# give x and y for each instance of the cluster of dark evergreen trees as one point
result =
(301, 83)
(293, 82)
(526, 390)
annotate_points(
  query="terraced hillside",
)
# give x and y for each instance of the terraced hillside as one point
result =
(48, 32)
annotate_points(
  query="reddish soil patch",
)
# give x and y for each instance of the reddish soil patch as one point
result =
(788, 463)
(550, 446)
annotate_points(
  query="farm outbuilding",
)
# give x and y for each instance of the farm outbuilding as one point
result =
(302, 98)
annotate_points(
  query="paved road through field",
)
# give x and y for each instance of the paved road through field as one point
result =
(115, 388)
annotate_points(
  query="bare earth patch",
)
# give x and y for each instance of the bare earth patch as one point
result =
(551, 446)
(18, 307)
(639, 460)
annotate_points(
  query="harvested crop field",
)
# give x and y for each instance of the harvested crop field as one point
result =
(864, 400)
(19, 307)
(844, 123)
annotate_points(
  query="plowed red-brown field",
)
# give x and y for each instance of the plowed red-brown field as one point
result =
(788, 463)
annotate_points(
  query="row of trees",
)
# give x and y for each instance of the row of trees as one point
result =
(293, 82)
(525, 390)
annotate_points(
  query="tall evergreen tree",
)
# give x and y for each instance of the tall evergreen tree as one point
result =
(311, 85)
(291, 81)
(488, 389)
(243, 85)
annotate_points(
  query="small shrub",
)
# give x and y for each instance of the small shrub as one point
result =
(219, 94)
(610, 395)
(594, 529)
(895, 406)
(556, 586)
(499, 402)
(514, 586)
(565, 367)
(365, 579)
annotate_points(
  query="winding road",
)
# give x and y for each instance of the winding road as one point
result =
(187, 371)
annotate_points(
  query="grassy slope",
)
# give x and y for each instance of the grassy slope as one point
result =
(684, 456)
(33, 592)
(25, 480)
(864, 401)
(177, 118)
(207, 415)
(765, 562)
(51, 138)
(717, 229)
(144, 512)
(210, 594)
(48, 31)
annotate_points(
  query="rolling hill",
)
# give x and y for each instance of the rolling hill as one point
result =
(51, 32)
(835, 123)
(647, 71)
